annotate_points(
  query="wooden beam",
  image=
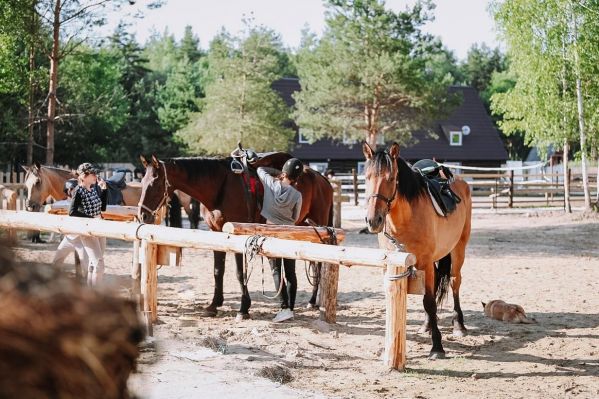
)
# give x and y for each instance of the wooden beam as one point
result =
(301, 233)
(169, 255)
(112, 212)
(272, 247)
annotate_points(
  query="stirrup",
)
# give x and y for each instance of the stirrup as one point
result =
(237, 167)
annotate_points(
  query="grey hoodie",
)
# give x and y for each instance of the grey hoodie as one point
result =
(282, 203)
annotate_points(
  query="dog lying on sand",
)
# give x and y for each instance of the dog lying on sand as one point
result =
(508, 312)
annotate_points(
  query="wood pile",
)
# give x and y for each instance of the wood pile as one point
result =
(61, 340)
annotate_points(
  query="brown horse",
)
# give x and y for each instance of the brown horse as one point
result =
(223, 197)
(399, 203)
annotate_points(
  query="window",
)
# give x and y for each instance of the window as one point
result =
(360, 169)
(301, 139)
(320, 167)
(455, 138)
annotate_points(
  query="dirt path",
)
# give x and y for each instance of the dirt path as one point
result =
(547, 263)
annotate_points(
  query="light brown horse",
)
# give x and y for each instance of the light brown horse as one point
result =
(399, 203)
(223, 198)
(43, 182)
(46, 181)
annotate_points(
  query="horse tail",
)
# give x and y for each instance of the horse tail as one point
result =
(442, 275)
(174, 212)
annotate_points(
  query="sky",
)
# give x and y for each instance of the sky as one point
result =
(459, 23)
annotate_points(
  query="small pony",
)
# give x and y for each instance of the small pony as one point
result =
(508, 312)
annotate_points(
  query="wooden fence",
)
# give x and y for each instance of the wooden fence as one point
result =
(152, 237)
(495, 190)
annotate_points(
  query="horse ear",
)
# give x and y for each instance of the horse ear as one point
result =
(394, 151)
(37, 165)
(367, 150)
(154, 161)
(143, 161)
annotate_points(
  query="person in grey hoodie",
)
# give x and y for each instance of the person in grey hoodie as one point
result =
(282, 205)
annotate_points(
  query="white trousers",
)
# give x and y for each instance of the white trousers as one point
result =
(94, 248)
(69, 244)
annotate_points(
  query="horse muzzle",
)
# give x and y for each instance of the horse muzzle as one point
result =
(375, 223)
(146, 217)
(32, 206)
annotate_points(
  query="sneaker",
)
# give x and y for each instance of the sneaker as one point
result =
(284, 314)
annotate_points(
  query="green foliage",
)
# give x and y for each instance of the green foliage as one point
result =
(368, 75)
(94, 106)
(551, 45)
(240, 104)
(481, 62)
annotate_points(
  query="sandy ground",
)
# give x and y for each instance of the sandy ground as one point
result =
(547, 262)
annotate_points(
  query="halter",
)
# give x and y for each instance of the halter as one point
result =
(381, 197)
(164, 197)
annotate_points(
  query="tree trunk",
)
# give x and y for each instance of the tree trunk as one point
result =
(583, 158)
(32, 38)
(54, 58)
(567, 205)
(30, 106)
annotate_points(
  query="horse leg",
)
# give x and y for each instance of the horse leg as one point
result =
(312, 304)
(246, 301)
(430, 306)
(219, 272)
(457, 260)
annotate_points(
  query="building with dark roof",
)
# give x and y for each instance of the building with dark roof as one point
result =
(467, 137)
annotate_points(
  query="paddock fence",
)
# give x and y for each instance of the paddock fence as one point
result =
(151, 238)
(508, 189)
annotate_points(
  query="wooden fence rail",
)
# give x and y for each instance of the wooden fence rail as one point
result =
(496, 189)
(151, 236)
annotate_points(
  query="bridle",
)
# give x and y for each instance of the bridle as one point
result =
(381, 197)
(164, 196)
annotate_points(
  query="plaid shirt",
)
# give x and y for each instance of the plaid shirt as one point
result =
(87, 203)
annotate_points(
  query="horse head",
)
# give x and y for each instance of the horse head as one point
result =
(381, 184)
(37, 191)
(155, 189)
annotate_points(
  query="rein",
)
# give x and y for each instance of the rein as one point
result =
(164, 197)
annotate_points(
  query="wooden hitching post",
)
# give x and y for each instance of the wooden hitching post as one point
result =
(329, 281)
(395, 319)
(149, 282)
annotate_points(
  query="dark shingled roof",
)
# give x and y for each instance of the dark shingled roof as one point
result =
(482, 144)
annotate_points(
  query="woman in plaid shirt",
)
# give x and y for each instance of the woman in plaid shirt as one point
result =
(89, 200)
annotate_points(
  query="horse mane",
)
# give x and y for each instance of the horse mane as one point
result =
(196, 167)
(410, 184)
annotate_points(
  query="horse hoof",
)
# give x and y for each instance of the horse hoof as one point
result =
(460, 332)
(209, 312)
(436, 355)
(312, 306)
(242, 316)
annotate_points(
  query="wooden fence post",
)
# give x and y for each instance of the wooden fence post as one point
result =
(511, 197)
(337, 197)
(329, 282)
(395, 318)
(355, 181)
(149, 283)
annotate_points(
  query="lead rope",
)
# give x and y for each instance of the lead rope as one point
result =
(253, 246)
(399, 247)
(312, 272)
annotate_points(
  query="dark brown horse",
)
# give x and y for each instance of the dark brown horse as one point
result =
(223, 197)
(399, 203)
